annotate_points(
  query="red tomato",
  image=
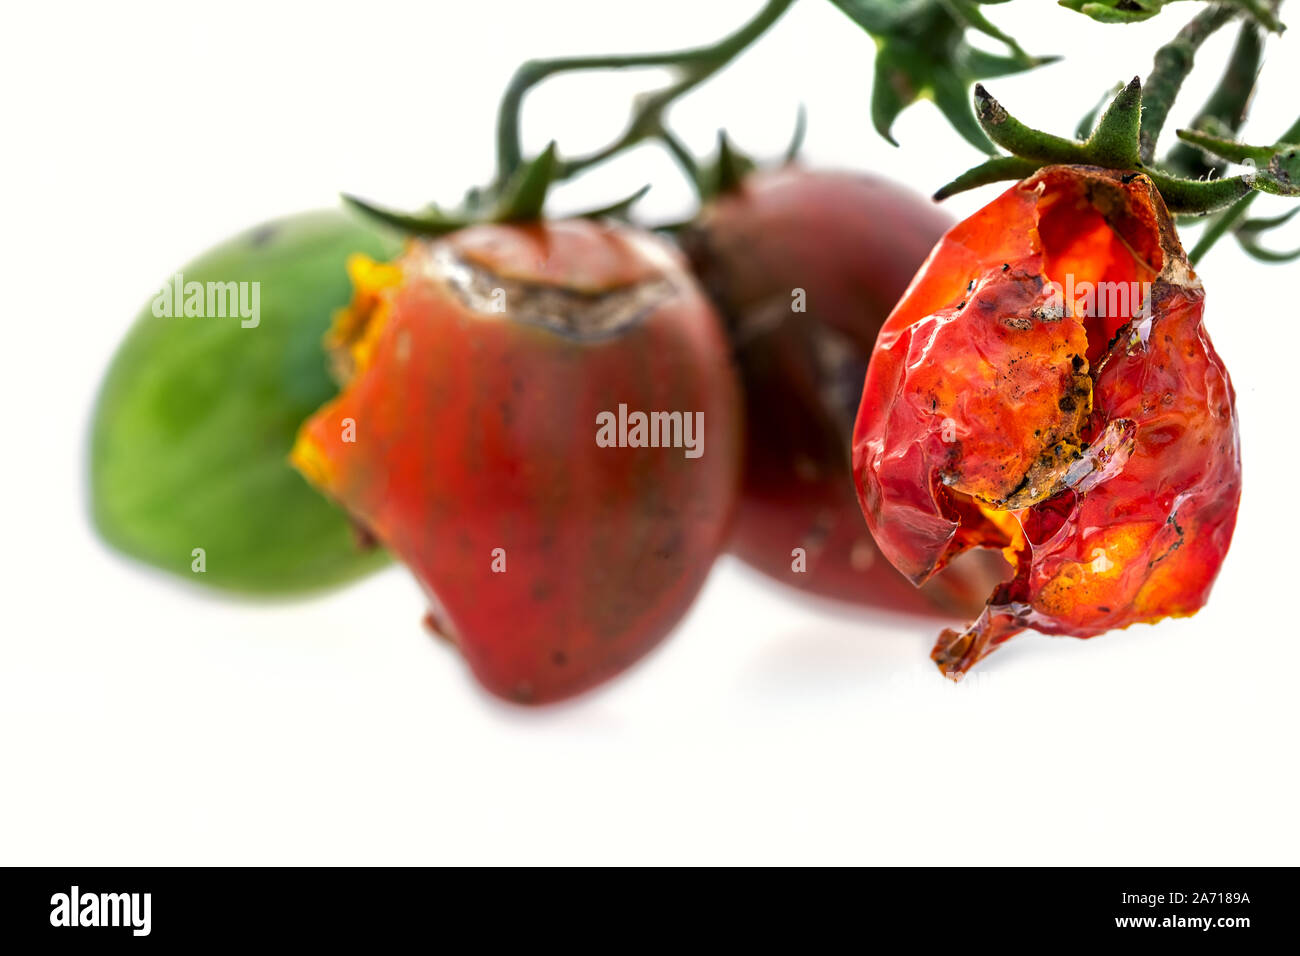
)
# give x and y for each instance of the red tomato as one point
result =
(496, 378)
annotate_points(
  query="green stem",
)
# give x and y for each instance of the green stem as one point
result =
(1173, 62)
(1219, 226)
(698, 65)
(684, 158)
(1227, 220)
(646, 123)
(1226, 107)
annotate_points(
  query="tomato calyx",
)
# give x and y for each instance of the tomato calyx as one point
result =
(1125, 139)
(520, 198)
(1116, 143)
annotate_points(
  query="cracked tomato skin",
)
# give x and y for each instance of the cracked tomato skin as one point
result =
(851, 243)
(478, 366)
(1006, 407)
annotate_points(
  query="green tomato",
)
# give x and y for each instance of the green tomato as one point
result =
(196, 416)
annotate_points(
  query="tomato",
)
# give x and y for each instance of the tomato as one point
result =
(805, 266)
(490, 437)
(196, 416)
(1046, 387)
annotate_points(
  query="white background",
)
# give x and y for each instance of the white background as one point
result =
(143, 721)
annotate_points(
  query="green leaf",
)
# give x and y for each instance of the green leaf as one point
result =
(968, 13)
(891, 92)
(921, 52)
(1110, 11)
(874, 16)
(1135, 11)
(950, 96)
(982, 65)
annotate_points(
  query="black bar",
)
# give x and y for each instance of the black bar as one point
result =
(1223, 907)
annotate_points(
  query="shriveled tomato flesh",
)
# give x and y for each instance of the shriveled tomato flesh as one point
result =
(1064, 404)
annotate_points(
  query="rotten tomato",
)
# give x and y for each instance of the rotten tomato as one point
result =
(1046, 387)
(543, 422)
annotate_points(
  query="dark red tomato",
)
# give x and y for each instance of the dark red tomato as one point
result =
(805, 266)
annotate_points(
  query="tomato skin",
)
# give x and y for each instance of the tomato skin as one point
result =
(850, 244)
(1098, 450)
(476, 447)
